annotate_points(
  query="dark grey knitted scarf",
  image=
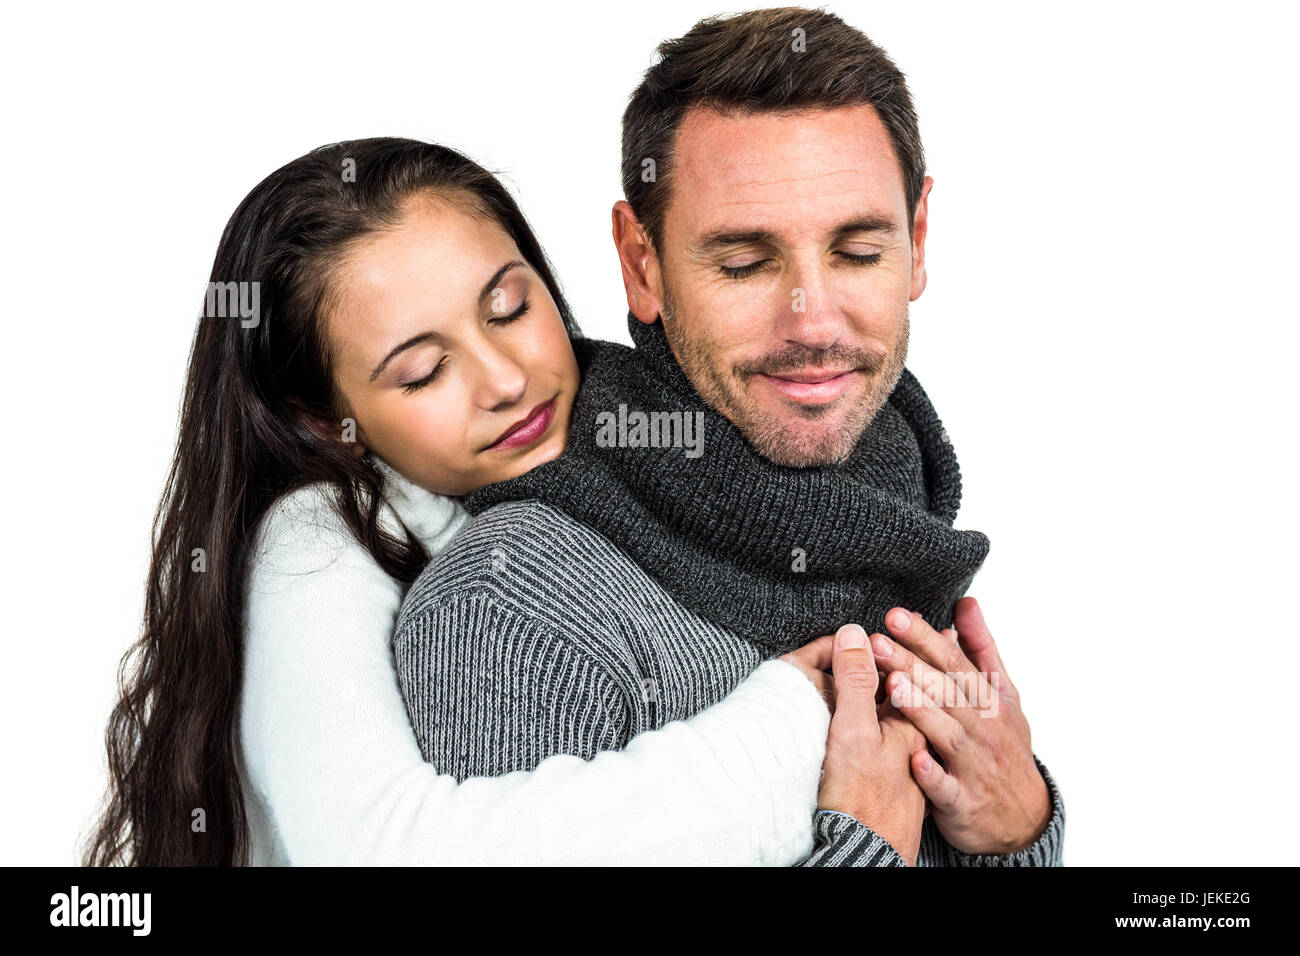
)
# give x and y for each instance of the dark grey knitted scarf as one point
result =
(780, 555)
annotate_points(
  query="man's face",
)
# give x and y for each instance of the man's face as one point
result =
(785, 274)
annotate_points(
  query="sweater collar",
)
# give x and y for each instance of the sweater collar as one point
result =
(775, 553)
(432, 518)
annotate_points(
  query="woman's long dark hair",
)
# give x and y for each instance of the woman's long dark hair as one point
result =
(245, 440)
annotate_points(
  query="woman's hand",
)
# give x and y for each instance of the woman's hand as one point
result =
(814, 659)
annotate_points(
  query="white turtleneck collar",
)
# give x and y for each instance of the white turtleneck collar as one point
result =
(434, 519)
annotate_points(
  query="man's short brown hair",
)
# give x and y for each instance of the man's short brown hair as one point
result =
(779, 59)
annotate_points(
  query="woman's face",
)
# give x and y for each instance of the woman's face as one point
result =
(443, 339)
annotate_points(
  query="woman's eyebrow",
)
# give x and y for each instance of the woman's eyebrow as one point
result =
(497, 277)
(432, 336)
(410, 343)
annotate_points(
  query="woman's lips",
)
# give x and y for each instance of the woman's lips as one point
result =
(529, 430)
(811, 392)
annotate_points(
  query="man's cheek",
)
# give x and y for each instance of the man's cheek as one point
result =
(741, 320)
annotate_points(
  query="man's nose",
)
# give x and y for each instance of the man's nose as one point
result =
(812, 316)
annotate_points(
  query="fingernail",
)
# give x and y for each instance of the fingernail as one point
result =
(925, 762)
(881, 645)
(850, 637)
(898, 697)
(900, 620)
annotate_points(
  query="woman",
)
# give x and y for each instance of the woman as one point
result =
(391, 339)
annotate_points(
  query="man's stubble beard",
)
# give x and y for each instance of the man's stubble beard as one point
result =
(770, 436)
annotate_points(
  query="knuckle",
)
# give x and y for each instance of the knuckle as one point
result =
(856, 669)
(957, 738)
(953, 659)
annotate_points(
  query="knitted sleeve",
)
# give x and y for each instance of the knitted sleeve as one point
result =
(489, 691)
(840, 840)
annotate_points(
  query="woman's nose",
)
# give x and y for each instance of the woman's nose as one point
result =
(501, 381)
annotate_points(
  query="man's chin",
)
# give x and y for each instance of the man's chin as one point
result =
(796, 445)
(792, 434)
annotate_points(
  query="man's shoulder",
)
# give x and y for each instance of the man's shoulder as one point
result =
(530, 558)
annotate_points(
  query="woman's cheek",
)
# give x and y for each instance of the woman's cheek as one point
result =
(428, 430)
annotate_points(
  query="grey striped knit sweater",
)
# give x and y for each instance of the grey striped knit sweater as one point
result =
(533, 635)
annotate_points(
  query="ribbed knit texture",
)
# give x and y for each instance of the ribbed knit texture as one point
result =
(720, 531)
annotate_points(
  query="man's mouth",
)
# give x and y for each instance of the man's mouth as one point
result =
(811, 386)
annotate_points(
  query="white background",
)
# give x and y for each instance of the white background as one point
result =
(1109, 333)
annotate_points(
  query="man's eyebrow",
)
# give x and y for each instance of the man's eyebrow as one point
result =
(423, 337)
(868, 223)
(716, 241)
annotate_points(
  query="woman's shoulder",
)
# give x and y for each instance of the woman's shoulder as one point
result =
(307, 510)
(301, 531)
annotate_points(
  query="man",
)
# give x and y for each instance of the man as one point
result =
(760, 470)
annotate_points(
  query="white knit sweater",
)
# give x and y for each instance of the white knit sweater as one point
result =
(333, 774)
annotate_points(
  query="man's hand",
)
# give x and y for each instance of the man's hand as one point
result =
(866, 773)
(988, 796)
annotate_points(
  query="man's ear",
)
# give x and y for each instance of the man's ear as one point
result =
(920, 222)
(345, 431)
(642, 278)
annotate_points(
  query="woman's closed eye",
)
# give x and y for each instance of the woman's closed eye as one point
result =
(409, 387)
(519, 311)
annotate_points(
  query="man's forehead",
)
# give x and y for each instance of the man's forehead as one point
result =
(734, 167)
